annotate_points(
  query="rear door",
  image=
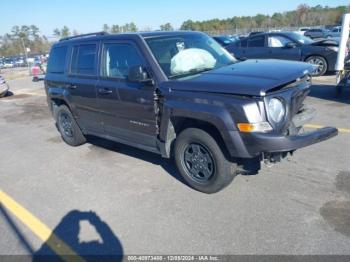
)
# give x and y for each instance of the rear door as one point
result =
(82, 79)
(278, 49)
(127, 108)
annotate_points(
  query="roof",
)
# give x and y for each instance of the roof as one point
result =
(104, 35)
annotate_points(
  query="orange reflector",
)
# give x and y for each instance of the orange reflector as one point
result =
(245, 127)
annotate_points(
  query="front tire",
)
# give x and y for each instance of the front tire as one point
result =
(321, 62)
(201, 161)
(68, 127)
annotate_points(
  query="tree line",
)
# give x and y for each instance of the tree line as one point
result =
(23, 38)
(28, 36)
(304, 15)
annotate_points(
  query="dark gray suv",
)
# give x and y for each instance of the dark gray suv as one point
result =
(181, 95)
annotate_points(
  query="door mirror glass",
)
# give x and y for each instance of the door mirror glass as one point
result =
(138, 74)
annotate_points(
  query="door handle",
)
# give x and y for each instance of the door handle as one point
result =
(104, 91)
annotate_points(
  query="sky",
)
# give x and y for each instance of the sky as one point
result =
(89, 15)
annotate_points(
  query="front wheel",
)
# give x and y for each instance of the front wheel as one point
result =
(201, 161)
(321, 64)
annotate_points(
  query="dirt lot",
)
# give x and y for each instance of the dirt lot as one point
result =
(139, 205)
(14, 73)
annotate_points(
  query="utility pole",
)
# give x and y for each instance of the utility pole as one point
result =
(25, 52)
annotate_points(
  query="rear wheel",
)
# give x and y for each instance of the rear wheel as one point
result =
(201, 161)
(321, 64)
(68, 127)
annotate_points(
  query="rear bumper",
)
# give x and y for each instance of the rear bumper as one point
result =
(256, 144)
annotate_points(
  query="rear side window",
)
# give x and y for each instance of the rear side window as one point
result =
(57, 60)
(118, 59)
(258, 41)
(84, 60)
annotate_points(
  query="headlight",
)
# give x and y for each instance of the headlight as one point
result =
(276, 110)
(333, 48)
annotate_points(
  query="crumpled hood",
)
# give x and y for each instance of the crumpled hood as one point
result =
(250, 77)
(325, 43)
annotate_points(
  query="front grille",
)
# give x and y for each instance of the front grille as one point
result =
(298, 97)
(293, 95)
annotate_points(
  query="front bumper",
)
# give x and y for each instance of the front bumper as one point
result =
(270, 143)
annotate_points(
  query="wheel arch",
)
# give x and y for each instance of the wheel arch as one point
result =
(182, 123)
(55, 103)
(310, 55)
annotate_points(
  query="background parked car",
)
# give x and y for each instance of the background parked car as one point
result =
(3, 87)
(317, 33)
(255, 33)
(223, 40)
(288, 46)
(19, 62)
(335, 32)
(9, 63)
(302, 30)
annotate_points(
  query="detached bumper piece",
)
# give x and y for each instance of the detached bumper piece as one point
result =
(270, 144)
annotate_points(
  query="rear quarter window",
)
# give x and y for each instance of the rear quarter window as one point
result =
(57, 60)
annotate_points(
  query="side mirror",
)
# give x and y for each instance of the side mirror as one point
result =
(138, 74)
(290, 45)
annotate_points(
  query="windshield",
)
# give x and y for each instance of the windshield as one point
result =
(301, 39)
(188, 54)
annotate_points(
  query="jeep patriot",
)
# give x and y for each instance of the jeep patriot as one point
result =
(180, 94)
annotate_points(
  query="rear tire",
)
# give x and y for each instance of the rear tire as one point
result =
(68, 127)
(201, 161)
(319, 61)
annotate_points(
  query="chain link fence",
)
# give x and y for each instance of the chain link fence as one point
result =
(245, 31)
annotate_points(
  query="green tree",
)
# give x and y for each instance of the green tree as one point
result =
(115, 29)
(105, 28)
(57, 32)
(188, 25)
(166, 27)
(65, 32)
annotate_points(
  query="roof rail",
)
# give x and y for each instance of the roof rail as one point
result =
(84, 35)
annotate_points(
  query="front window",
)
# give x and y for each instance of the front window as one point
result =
(278, 41)
(118, 59)
(188, 54)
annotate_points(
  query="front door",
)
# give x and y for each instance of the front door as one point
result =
(127, 108)
(279, 49)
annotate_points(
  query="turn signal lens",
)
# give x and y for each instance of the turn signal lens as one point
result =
(256, 127)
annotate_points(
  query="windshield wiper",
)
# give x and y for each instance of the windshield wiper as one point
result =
(192, 72)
